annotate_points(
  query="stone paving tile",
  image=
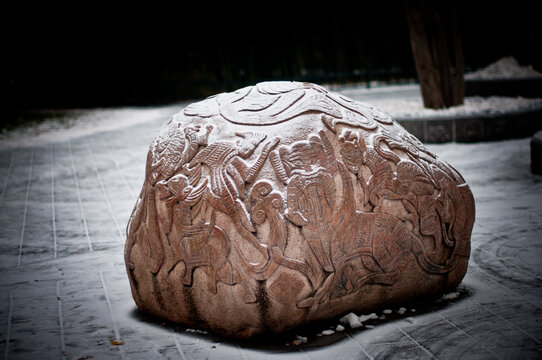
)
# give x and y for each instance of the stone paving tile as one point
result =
(64, 293)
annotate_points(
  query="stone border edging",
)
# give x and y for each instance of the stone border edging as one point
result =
(525, 87)
(474, 128)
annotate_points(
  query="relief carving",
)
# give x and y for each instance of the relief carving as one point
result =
(341, 200)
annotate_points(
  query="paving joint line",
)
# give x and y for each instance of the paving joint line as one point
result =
(359, 345)
(29, 183)
(74, 170)
(119, 168)
(433, 356)
(108, 202)
(467, 334)
(8, 330)
(510, 323)
(7, 178)
(60, 320)
(110, 307)
(179, 349)
(305, 355)
(53, 215)
(490, 278)
(241, 352)
(511, 266)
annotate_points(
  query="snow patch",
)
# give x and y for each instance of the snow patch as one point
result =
(505, 68)
(364, 318)
(474, 105)
(61, 125)
(352, 320)
(450, 296)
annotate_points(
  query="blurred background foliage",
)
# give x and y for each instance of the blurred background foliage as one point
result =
(82, 55)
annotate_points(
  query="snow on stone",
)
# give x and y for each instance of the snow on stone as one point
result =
(387, 311)
(410, 320)
(352, 320)
(328, 332)
(505, 68)
(339, 328)
(401, 311)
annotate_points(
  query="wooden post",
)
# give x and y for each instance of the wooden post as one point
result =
(439, 85)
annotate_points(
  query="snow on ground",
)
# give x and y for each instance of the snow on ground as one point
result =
(472, 106)
(399, 101)
(60, 125)
(505, 68)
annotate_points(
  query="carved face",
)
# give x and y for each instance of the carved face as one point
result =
(248, 143)
(191, 130)
(301, 157)
(245, 148)
(352, 155)
(178, 186)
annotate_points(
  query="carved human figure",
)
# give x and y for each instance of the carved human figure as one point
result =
(306, 170)
(164, 159)
(229, 174)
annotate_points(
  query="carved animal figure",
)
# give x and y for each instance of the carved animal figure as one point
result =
(415, 181)
(338, 233)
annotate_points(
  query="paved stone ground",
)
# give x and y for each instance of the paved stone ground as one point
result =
(64, 293)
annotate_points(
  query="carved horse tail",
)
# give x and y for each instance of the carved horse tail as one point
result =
(457, 230)
(428, 265)
(464, 221)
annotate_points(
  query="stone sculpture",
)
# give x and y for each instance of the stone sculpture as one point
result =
(285, 203)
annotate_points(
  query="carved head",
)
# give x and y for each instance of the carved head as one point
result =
(353, 150)
(249, 142)
(302, 157)
(178, 185)
(191, 130)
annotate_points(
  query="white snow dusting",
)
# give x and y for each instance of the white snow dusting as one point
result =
(475, 105)
(450, 296)
(505, 68)
(398, 101)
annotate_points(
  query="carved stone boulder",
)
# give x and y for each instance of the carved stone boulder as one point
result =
(284, 203)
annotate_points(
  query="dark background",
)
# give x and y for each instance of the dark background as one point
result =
(89, 56)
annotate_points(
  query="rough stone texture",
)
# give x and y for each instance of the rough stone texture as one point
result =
(284, 203)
